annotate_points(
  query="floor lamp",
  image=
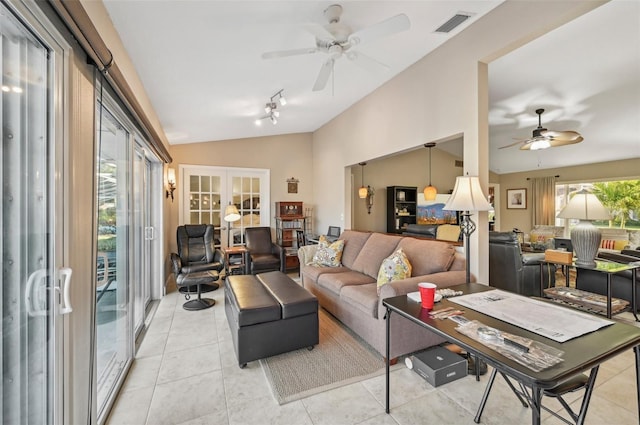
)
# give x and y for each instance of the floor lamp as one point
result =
(231, 215)
(467, 196)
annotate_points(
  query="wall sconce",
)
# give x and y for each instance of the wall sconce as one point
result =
(366, 192)
(171, 183)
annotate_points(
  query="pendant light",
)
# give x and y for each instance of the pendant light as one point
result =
(430, 191)
(363, 191)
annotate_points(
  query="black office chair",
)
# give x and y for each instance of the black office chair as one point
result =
(263, 255)
(197, 264)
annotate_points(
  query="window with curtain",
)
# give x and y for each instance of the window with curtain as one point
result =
(543, 192)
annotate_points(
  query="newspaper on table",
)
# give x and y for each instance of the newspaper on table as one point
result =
(549, 320)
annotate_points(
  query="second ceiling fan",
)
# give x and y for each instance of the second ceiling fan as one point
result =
(543, 138)
(336, 40)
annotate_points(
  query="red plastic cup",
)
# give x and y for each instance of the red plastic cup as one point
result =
(427, 294)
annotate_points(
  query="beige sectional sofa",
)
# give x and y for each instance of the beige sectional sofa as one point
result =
(349, 292)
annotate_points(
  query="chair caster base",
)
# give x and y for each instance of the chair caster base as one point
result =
(243, 365)
(199, 304)
(193, 289)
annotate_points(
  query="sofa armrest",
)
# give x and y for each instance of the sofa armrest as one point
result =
(176, 263)
(306, 253)
(404, 286)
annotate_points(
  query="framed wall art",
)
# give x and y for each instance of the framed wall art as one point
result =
(517, 199)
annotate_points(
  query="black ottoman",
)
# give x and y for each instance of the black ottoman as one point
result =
(269, 314)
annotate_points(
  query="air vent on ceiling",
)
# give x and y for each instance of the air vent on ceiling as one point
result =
(452, 23)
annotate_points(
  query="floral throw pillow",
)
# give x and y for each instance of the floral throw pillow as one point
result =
(394, 267)
(328, 255)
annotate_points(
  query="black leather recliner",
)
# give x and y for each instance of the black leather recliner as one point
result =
(263, 254)
(197, 264)
(512, 271)
(596, 282)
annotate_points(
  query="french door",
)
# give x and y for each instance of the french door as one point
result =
(33, 283)
(207, 191)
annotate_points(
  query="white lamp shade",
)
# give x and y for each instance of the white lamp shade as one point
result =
(231, 213)
(171, 175)
(467, 196)
(585, 206)
(362, 192)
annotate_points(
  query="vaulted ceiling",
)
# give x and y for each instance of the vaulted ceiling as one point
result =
(201, 65)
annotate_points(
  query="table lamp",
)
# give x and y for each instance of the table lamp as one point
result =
(585, 237)
(231, 215)
(467, 196)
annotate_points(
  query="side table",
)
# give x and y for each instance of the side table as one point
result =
(609, 268)
(235, 260)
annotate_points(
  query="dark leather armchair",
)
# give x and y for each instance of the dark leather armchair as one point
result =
(512, 271)
(197, 264)
(263, 254)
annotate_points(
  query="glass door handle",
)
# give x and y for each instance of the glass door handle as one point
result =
(64, 289)
(149, 233)
(30, 296)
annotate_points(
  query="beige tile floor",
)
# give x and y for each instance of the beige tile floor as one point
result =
(185, 372)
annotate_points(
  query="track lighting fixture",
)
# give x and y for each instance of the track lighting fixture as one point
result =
(270, 108)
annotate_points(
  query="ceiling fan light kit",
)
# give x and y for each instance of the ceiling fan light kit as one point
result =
(544, 139)
(335, 39)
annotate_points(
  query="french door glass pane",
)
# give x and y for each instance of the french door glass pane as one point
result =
(113, 328)
(245, 192)
(204, 202)
(28, 266)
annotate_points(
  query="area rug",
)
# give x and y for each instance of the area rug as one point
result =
(341, 358)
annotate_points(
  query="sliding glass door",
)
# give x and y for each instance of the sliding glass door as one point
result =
(33, 285)
(129, 199)
(113, 312)
(144, 234)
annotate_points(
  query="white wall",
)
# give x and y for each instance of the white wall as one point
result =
(443, 94)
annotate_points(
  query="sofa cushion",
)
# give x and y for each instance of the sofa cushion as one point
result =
(448, 232)
(364, 298)
(427, 256)
(328, 255)
(615, 244)
(353, 243)
(334, 282)
(394, 267)
(312, 272)
(378, 247)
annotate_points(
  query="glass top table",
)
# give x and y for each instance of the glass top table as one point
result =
(603, 266)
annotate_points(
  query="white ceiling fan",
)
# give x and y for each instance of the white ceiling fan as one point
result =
(543, 138)
(336, 39)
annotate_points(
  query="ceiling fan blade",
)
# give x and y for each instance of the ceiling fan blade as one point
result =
(285, 53)
(513, 144)
(366, 61)
(390, 26)
(564, 136)
(323, 76)
(318, 31)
